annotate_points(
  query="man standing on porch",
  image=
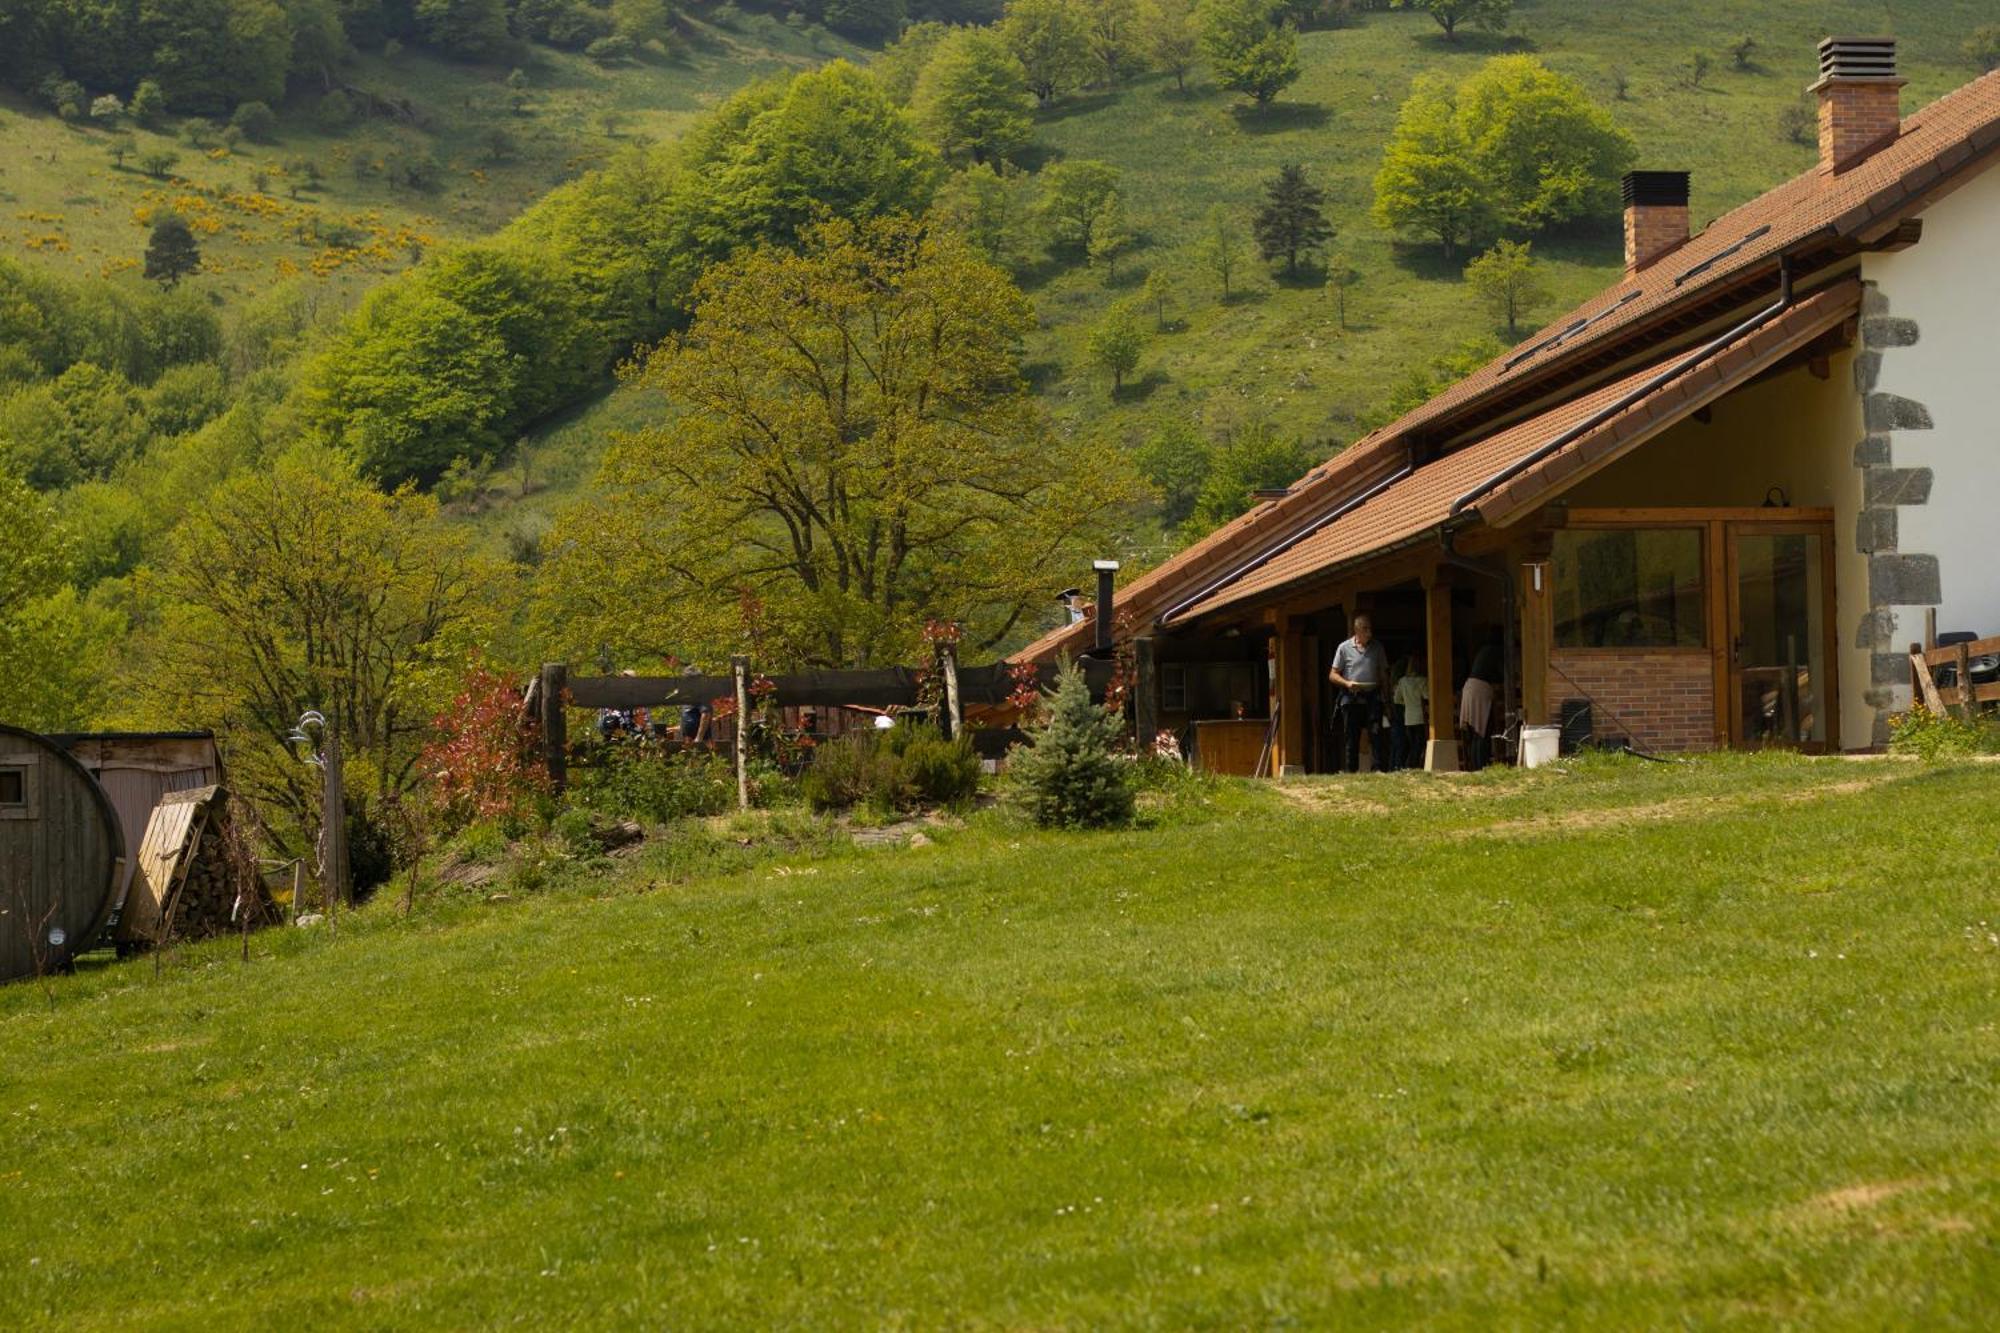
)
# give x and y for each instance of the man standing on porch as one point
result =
(1360, 669)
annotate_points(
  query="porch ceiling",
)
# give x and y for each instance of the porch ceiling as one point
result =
(1422, 501)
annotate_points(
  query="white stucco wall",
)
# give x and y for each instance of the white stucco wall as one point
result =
(1949, 283)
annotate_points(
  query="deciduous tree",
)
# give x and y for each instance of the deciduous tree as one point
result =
(973, 97)
(1169, 37)
(1115, 342)
(302, 586)
(1340, 276)
(1506, 279)
(1073, 194)
(1450, 14)
(1220, 248)
(853, 450)
(1051, 39)
(1250, 47)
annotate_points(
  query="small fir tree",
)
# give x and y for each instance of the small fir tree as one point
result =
(1291, 219)
(1067, 775)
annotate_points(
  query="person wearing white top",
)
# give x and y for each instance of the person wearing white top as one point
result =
(1406, 713)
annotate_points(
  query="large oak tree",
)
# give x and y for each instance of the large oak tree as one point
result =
(851, 449)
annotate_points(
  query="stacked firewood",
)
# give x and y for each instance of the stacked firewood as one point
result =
(221, 884)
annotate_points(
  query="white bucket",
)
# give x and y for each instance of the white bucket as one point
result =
(1540, 745)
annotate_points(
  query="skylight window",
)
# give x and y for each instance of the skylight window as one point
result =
(1720, 255)
(1569, 331)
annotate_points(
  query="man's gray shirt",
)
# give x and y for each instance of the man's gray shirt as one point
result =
(1363, 666)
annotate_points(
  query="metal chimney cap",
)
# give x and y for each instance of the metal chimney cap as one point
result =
(1855, 58)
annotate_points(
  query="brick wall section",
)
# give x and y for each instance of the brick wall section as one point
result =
(1665, 701)
(1651, 230)
(1856, 116)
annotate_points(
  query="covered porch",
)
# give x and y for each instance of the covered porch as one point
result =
(1655, 562)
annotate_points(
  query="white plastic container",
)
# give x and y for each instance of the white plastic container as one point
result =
(1540, 745)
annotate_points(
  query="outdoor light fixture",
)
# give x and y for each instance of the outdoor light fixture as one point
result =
(58, 937)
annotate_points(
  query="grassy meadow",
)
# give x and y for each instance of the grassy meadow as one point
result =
(261, 219)
(1611, 1045)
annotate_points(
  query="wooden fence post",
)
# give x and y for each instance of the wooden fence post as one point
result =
(1962, 660)
(953, 714)
(555, 723)
(333, 825)
(739, 665)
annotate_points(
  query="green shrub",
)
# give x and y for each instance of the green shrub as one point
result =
(856, 769)
(642, 780)
(256, 121)
(937, 771)
(1935, 737)
(1067, 776)
(480, 843)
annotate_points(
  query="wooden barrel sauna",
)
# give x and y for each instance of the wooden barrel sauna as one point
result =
(61, 855)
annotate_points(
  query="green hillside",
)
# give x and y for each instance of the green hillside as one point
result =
(1279, 1058)
(1276, 351)
(321, 203)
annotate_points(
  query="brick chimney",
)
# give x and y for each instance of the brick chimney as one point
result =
(1860, 102)
(1656, 215)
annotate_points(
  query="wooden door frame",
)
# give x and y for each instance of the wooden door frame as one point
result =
(1729, 613)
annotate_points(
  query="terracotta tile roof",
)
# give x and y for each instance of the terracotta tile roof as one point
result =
(1933, 150)
(1421, 501)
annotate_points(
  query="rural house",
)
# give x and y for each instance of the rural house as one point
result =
(1710, 508)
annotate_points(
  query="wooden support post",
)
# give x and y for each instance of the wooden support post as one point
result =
(1294, 680)
(954, 715)
(1962, 661)
(739, 666)
(1535, 644)
(1923, 685)
(1145, 692)
(555, 723)
(1441, 750)
(1930, 628)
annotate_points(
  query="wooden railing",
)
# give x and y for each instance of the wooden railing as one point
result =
(1926, 663)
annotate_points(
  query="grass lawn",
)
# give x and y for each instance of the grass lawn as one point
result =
(1616, 1046)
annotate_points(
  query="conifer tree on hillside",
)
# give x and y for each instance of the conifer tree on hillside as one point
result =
(171, 252)
(1290, 219)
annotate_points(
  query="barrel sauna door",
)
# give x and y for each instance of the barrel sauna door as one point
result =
(59, 856)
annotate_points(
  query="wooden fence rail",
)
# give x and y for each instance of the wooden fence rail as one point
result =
(964, 688)
(1925, 663)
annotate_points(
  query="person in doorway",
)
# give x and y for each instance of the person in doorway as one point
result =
(1360, 676)
(1406, 713)
(1475, 701)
